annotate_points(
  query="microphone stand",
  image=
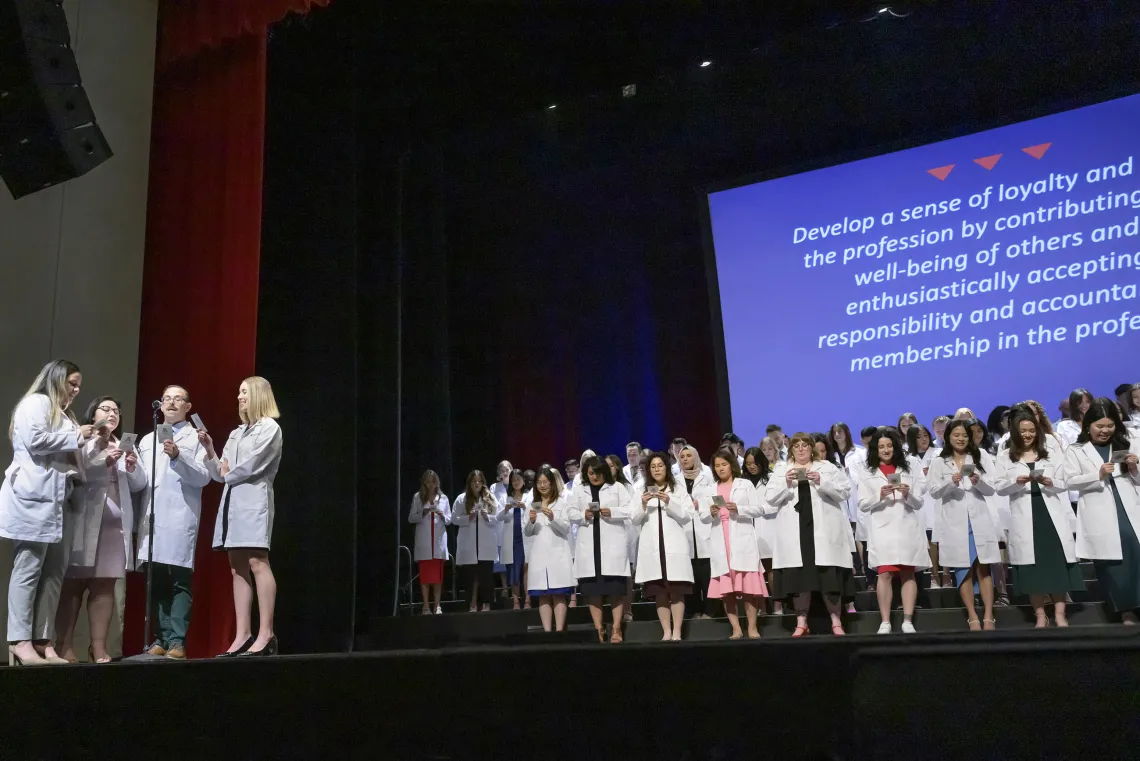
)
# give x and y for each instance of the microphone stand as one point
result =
(150, 525)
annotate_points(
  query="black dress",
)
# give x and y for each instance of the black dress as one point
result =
(1050, 573)
(599, 585)
(831, 581)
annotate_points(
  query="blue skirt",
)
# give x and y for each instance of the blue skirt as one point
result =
(549, 591)
(960, 573)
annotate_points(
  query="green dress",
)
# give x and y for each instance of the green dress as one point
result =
(1120, 579)
(1050, 573)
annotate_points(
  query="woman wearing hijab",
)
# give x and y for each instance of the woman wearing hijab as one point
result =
(700, 489)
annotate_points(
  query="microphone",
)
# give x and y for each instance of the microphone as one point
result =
(155, 404)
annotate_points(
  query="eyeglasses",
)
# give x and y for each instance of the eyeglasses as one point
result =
(108, 410)
(176, 399)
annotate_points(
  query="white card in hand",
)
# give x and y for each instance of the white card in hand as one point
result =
(1120, 456)
(894, 479)
(127, 443)
(718, 501)
(163, 434)
(967, 469)
(197, 422)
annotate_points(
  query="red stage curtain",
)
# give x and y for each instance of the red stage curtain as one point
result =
(185, 27)
(199, 304)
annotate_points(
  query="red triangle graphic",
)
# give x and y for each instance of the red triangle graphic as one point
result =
(988, 162)
(942, 172)
(1037, 151)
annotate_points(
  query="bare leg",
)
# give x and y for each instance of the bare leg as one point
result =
(100, 608)
(750, 612)
(909, 596)
(425, 593)
(885, 594)
(595, 604)
(266, 596)
(617, 606)
(243, 596)
(935, 570)
(515, 603)
(1038, 603)
(1059, 612)
(67, 615)
(986, 584)
(966, 592)
(559, 613)
(545, 612)
(437, 593)
(729, 602)
(525, 587)
(677, 607)
(663, 613)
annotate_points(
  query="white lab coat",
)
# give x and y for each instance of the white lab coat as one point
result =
(697, 532)
(90, 496)
(254, 454)
(34, 492)
(615, 549)
(851, 504)
(1020, 497)
(963, 506)
(741, 532)
(177, 498)
(425, 549)
(898, 529)
(477, 539)
(657, 520)
(855, 462)
(1068, 430)
(1098, 530)
(929, 506)
(551, 566)
(765, 525)
(506, 527)
(833, 541)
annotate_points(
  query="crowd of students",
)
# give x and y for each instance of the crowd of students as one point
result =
(792, 518)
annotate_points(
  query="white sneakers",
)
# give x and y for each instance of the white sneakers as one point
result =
(885, 627)
(908, 628)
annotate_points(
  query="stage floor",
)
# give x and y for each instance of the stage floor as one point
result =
(1014, 694)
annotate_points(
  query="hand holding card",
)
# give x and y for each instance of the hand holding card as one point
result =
(197, 421)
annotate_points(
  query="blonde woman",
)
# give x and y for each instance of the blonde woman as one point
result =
(45, 441)
(431, 512)
(244, 525)
(477, 513)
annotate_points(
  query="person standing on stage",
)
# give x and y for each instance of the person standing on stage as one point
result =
(103, 548)
(960, 479)
(661, 510)
(45, 443)
(1069, 429)
(1041, 546)
(601, 561)
(734, 558)
(891, 486)
(1101, 466)
(244, 525)
(814, 546)
(180, 475)
(550, 576)
(431, 512)
(633, 457)
(512, 548)
(477, 513)
(701, 488)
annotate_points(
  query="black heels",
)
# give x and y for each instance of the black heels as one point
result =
(269, 649)
(248, 644)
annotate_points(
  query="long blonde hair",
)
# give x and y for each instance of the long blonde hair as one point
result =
(52, 383)
(261, 402)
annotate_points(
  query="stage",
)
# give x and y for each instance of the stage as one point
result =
(1008, 694)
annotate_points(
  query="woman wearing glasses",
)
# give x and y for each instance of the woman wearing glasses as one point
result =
(101, 552)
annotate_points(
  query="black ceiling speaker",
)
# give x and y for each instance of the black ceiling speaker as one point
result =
(48, 133)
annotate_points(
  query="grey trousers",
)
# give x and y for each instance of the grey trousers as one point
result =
(33, 593)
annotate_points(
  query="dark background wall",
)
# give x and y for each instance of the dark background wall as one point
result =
(457, 274)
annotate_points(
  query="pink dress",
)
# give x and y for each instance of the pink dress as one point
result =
(734, 582)
(111, 553)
